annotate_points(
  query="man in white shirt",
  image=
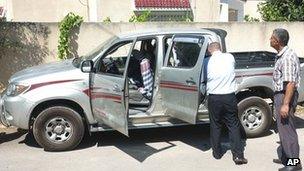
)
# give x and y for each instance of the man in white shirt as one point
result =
(222, 103)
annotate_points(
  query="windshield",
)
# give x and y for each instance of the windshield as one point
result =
(99, 49)
(76, 61)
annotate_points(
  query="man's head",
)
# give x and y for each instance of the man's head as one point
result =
(279, 38)
(214, 46)
(147, 46)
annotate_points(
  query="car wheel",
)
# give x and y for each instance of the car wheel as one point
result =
(58, 128)
(255, 116)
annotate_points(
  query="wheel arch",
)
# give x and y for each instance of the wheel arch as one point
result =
(259, 91)
(57, 102)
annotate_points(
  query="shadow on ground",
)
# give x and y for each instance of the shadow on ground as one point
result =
(10, 136)
(137, 145)
(299, 122)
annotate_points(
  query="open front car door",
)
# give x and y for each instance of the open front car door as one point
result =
(109, 93)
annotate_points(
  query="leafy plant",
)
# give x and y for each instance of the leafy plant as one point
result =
(282, 10)
(107, 20)
(187, 18)
(247, 18)
(144, 17)
(69, 22)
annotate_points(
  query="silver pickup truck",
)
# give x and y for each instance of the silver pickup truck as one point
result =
(100, 91)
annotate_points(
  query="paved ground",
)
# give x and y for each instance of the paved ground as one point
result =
(182, 148)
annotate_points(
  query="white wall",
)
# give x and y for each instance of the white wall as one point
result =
(236, 5)
(40, 48)
(224, 9)
(7, 5)
(47, 10)
(206, 10)
(251, 8)
(117, 10)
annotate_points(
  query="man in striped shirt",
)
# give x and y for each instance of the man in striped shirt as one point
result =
(147, 77)
(286, 81)
(146, 73)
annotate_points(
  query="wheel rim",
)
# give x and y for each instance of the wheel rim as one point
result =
(58, 129)
(252, 118)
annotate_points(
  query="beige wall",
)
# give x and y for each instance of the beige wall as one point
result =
(37, 43)
(117, 10)
(46, 10)
(95, 10)
(251, 8)
(240, 37)
(206, 10)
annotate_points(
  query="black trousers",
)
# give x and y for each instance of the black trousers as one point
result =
(223, 109)
(289, 145)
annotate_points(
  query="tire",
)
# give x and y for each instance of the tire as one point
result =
(58, 128)
(255, 116)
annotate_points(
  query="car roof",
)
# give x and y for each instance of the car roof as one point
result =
(163, 31)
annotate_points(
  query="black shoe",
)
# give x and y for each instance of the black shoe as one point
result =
(217, 155)
(240, 160)
(277, 161)
(291, 168)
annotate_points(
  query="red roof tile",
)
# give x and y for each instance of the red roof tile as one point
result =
(162, 4)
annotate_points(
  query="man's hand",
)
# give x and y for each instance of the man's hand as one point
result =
(290, 88)
(284, 111)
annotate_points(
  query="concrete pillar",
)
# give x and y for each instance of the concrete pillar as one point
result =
(8, 7)
(93, 13)
(224, 11)
(206, 10)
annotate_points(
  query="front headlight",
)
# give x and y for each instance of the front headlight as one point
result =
(15, 89)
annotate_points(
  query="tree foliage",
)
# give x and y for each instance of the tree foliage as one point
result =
(282, 10)
(248, 18)
(144, 17)
(107, 20)
(69, 22)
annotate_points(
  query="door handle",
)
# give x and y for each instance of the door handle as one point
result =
(190, 82)
(116, 88)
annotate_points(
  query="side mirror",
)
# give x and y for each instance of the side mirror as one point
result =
(86, 66)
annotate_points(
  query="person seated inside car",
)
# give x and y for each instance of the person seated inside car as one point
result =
(142, 76)
(149, 51)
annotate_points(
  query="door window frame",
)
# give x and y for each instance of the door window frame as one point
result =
(103, 55)
(201, 36)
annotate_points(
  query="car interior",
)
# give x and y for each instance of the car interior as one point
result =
(143, 49)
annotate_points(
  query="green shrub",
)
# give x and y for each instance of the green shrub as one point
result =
(69, 22)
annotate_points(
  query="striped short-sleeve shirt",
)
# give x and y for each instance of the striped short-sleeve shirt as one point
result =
(147, 76)
(286, 69)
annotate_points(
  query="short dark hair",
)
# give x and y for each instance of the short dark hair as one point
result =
(282, 35)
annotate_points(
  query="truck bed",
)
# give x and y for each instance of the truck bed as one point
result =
(255, 59)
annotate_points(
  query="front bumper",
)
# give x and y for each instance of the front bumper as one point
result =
(15, 111)
(3, 119)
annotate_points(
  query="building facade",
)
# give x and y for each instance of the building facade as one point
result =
(123, 10)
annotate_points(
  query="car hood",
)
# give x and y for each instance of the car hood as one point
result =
(44, 69)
